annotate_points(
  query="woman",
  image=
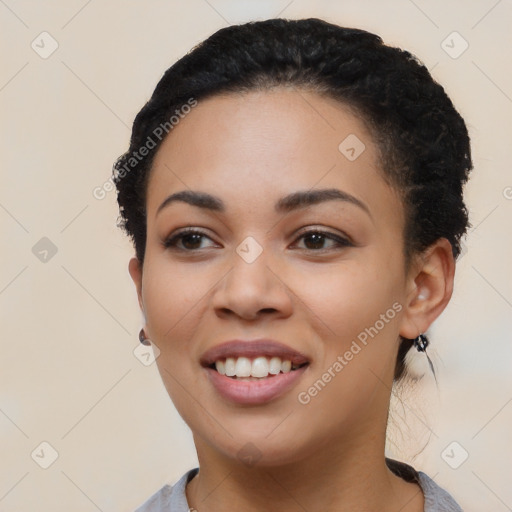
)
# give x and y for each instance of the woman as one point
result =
(293, 190)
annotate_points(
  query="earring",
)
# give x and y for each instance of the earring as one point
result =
(415, 363)
(143, 339)
(421, 343)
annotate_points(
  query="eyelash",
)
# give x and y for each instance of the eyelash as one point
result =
(171, 242)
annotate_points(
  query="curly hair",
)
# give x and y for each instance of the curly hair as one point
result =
(423, 142)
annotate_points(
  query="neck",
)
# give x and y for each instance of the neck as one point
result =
(339, 476)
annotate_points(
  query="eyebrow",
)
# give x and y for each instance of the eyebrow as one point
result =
(295, 201)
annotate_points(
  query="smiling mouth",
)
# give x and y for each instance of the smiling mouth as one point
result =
(257, 368)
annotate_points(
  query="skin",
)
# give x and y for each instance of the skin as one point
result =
(250, 150)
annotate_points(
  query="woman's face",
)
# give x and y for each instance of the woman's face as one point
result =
(332, 298)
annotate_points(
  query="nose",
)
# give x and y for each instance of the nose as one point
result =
(253, 290)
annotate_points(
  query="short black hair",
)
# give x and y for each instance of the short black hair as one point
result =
(423, 142)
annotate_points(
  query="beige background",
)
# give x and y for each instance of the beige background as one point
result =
(68, 374)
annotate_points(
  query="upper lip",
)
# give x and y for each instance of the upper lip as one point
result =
(253, 348)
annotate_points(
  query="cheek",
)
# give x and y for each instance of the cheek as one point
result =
(358, 304)
(349, 298)
(170, 296)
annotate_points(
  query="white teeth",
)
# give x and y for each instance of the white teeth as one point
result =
(259, 367)
(286, 366)
(229, 366)
(243, 367)
(275, 365)
(220, 367)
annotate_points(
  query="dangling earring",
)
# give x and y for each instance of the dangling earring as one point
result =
(143, 339)
(415, 363)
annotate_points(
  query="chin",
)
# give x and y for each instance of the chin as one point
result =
(266, 447)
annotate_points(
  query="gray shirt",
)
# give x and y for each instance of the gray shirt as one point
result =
(173, 498)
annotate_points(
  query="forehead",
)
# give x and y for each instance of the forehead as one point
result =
(258, 146)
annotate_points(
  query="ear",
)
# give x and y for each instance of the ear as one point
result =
(135, 269)
(430, 287)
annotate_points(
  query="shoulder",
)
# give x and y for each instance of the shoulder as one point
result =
(170, 498)
(436, 498)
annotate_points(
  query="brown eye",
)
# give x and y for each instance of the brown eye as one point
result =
(314, 240)
(190, 240)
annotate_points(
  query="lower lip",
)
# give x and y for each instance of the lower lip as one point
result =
(254, 392)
